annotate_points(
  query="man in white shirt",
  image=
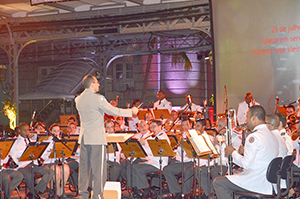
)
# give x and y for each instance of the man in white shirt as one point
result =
(272, 122)
(243, 108)
(287, 139)
(261, 147)
(149, 164)
(26, 168)
(162, 103)
(191, 106)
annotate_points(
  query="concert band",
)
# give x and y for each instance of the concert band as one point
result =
(236, 138)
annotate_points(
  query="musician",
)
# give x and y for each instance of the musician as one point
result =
(61, 170)
(91, 107)
(261, 147)
(222, 161)
(243, 108)
(193, 107)
(174, 168)
(72, 119)
(40, 128)
(132, 122)
(162, 103)
(113, 158)
(72, 130)
(148, 117)
(141, 136)
(283, 133)
(26, 167)
(10, 180)
(149, 164)
(290, 110)
(273, 122)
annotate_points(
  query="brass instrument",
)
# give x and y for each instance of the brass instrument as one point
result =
(229, 135)
(291, 126)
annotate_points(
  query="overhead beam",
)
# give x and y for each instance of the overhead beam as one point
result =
(140, 2)
(14, 1)
(5, 14)
(60, 6)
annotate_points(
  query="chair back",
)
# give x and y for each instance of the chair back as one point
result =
(273, 168)
(285, 165)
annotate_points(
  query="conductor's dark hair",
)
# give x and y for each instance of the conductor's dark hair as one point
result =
(258, 111)
(282, 119)
(87, 80)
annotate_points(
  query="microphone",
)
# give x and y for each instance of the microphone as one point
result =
(190, 102)
(32, 118)
(277, 98)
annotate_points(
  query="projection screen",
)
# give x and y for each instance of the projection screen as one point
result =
(257, 50)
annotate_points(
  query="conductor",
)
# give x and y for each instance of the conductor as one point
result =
(91, 107)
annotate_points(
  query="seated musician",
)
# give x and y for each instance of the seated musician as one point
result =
(51, 163)
(193, 107)
(40, 128)
(114, 159)
(222, 161)
(172, 120)
(174, 168)
(143, 132)
(9, 178)
(149, 164)
(261, 147)
(26, 167)
(272, 122)
(148, 117)
(121, 122)
(283, 133)
(132, 121)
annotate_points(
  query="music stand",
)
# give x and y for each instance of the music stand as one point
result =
(173, 140)
(5, 146)
(133, 149)
(161, 113)
(142, 113)
(61, 146)
(160, 148)
(42, 137)
(33, 150)
(72, 137)
(62, 149)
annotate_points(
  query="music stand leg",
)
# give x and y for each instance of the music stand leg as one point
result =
(160, 173)
(208, 176)
(131, 175)
(1, 175)
(199, 177)
(63, 174)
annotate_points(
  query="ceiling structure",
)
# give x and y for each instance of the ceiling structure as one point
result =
(116, 27)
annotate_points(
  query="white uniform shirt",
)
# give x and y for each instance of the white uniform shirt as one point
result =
(17, 150)
(261, 147)
(163, 104)
(288, 141)
(282, 146)
(242, 111)
(194, 107)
